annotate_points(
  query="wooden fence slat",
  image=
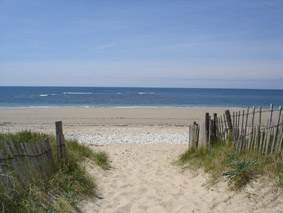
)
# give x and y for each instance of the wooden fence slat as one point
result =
(225, 127)
(280, 145)
(262, 137)
(242, 131)
(206, 123)
(30, 165)
(220, 127)
(236, 128)
(61, 147)
(251, 134)
(276, 130)
(49, 153)
(215, 119)
(20, 162)
(269, 130)
(246, 126)
(257, 135)
(24, 160)
(238, 136)
(210, 131)
(47, 160)
(34, 169)
(233, 119)
(6, 176)
(13, 163)
(233, 125)
(279, 141)
(38, 160)
(228, 118)
(44, 158)
(260, 132)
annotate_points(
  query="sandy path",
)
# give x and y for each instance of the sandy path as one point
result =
(144, 180)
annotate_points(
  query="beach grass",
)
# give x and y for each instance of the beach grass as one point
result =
(64, 190)
(221, 160)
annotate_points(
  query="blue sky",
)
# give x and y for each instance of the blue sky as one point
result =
(142, 43)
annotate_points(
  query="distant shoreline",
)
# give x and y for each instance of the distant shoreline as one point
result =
(90, 120)
(119, 107)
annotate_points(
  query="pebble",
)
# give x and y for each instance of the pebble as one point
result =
(131, 138)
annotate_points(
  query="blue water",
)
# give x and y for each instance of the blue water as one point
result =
(135, 97)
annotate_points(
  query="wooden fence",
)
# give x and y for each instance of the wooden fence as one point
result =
(27, 162)
(24, 163)
(253, 129)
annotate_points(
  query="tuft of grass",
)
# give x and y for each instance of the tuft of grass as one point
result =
(81, 152)
(24, 136)
(241, 173)
(64, 190)
(101, 159)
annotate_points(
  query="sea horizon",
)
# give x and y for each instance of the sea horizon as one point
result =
(151, 87)
(135, 97)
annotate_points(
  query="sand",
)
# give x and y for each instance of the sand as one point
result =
(142, 144)
(84, 120)
(143, 179)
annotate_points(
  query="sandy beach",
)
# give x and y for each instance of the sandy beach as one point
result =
(142, 144)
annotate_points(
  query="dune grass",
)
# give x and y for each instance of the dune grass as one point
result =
(64, 190)
(80, 151)
(238, 169)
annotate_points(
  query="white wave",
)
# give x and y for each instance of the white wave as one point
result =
(43, 95)
(118, 93)
(142, 93)
(77, 93)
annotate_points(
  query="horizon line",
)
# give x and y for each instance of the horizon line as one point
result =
(146, 87)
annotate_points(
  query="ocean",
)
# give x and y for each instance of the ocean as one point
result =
(14, 97)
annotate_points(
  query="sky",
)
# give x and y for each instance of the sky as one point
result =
(142, 43)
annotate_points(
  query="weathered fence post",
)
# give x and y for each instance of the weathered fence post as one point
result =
(228, 119)
(193, 135)
(61, 147)
(203, 138)
(215, 125)
(207, 118)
